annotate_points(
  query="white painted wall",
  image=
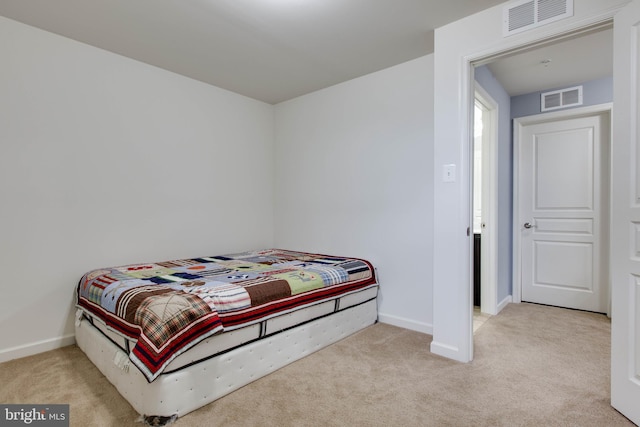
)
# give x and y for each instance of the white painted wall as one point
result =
(463, 41)
(354, 176)
(104, 161)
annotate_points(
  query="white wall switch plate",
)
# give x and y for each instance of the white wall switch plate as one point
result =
(449, 173)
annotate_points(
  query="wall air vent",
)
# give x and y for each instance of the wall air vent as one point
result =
(561, 98)
(522, 15)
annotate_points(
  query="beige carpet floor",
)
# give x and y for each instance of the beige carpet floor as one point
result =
(534, 366)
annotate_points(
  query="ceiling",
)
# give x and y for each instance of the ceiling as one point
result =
(568, 62)
(271, 50)
(275, 50)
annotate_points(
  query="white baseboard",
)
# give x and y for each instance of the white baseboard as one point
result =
(447, 351)
(402, 322)
(36, 347)
(502, 304)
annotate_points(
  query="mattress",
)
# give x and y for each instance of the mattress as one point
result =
(155, 312)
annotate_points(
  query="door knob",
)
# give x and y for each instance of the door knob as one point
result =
(527, 225)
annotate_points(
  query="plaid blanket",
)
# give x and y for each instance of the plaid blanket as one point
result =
(168, 307)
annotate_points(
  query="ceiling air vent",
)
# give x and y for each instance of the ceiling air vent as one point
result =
(561, 98)
(521, 15)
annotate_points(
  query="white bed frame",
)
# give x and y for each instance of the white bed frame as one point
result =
(196, 378)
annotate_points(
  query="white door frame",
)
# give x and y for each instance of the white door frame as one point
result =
(518, 124)
(489, 256)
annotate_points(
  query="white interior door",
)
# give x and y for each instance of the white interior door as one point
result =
(563, 241)
(625, 242)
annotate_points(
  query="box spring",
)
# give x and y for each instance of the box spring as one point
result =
(225, 362)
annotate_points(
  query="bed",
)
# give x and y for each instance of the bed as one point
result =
(174, 336)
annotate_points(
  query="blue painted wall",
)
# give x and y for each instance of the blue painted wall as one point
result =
(594, 92)
(485, 78)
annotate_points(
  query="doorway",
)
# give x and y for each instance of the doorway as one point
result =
(540, 62)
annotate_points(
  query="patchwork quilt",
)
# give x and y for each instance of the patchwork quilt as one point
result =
(168, 307)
